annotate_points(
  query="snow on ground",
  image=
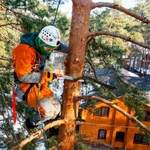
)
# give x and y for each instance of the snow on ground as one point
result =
(128, 73)
(41, 145)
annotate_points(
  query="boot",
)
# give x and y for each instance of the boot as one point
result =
(52, 132)
(33, 122)
(30, 127)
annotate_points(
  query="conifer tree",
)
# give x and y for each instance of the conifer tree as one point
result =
(89, 39)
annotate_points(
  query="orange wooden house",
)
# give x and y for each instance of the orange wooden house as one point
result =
(110, 126)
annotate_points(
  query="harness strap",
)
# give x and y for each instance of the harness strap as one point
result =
(25, 96)
(15, 77)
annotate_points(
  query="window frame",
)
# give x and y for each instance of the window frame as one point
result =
(141, 141)
(102, 137)
(102, 112)
(118, 139)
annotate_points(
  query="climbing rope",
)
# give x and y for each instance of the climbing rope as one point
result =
(37, 102)
(44, 133)
(56, 12)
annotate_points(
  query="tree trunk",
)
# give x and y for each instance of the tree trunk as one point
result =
(74, 67)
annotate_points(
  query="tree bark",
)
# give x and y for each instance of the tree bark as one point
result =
(74, 64)
(80, 32)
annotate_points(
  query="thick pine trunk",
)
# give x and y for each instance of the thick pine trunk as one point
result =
(74, 67)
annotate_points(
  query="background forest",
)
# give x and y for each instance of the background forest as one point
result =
(24, 16)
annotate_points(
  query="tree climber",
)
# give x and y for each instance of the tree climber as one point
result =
(30, 78)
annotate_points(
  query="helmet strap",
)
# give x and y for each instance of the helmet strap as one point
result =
(41, 46)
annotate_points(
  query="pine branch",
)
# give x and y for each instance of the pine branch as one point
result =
(8, 24)
(126, 38)
(95, 81)
(92, 66)
(38, 133)
(17, 13)
(6, 59)
(6, 37)
(122, 9)
(4, 67)
(132, 118)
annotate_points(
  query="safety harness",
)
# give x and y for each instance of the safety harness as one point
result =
(16, 80)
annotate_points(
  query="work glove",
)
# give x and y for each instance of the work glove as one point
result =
(52, 76)
(48, 67)
(48, 77)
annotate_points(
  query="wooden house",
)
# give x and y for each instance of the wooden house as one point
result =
(113, 128)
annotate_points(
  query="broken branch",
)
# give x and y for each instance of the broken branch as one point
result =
(38, 133)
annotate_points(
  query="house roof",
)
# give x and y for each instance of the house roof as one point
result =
(141, 82)
(125, 72)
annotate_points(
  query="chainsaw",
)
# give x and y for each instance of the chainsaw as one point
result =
(67, 77)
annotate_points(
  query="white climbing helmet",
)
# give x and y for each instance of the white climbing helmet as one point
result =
(50, 36)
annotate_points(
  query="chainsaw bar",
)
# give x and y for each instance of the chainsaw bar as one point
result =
(70, 78)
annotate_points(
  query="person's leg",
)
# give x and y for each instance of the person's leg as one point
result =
(44, 102)
(31, 122)
(50, 107)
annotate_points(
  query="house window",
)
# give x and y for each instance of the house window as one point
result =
(120, 136)
(147, 116)
(140, 139)
(102, 111)
(102, 134)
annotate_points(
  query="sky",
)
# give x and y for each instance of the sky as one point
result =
(67, 8)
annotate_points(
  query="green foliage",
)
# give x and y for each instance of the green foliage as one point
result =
(10, 136)
(89, 104)
(23, 16)
(26, 16)
(105, 51)
(52, 143)
(135, 100)
(105, 54)
(103, 92)
(30, 146)
(81, 146)
(61, 24)
(136, 35)
(5, 81)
